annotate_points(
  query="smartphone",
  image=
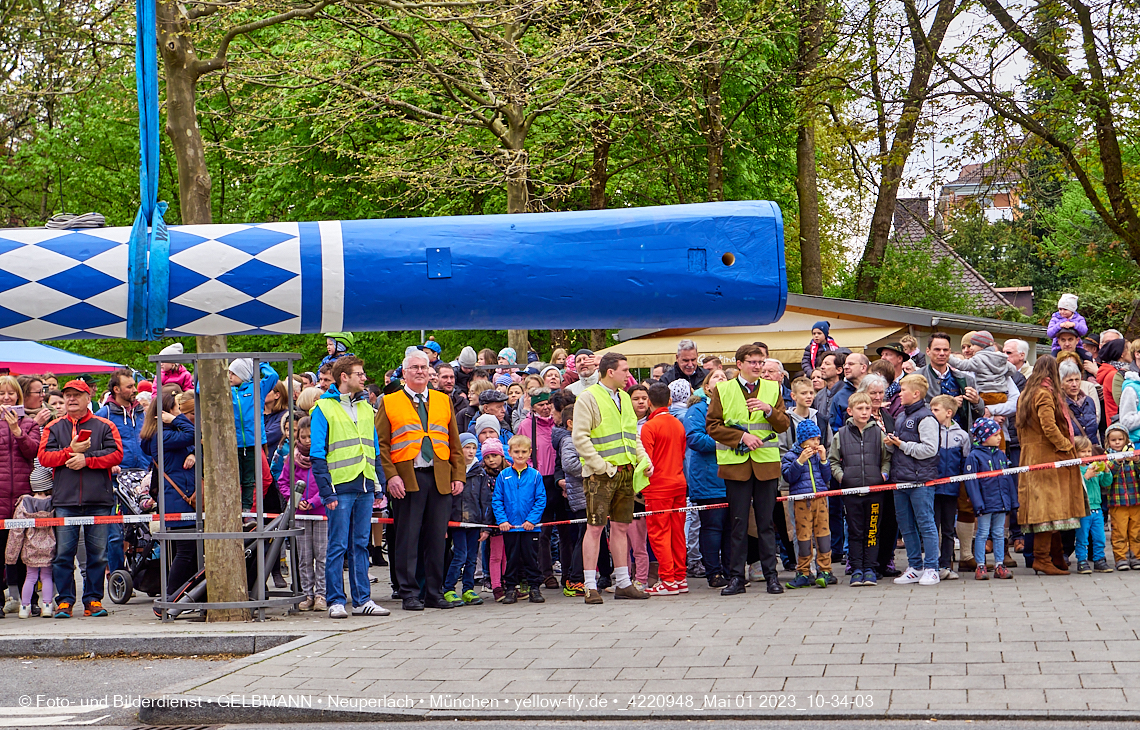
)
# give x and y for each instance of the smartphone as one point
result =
(83, 435)
(18, 410)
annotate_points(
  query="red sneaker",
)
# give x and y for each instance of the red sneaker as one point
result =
(662, 589)
(682, 586)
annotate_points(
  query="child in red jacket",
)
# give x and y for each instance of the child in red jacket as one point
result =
(663, 438)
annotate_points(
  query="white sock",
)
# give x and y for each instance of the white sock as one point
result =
(621, 577)
(591, 579)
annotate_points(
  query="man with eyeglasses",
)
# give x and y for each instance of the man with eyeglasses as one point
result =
(343, 454)
(687, 366)
(422, 458)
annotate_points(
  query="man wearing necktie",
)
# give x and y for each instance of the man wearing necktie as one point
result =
(744, 417)
(423, 462)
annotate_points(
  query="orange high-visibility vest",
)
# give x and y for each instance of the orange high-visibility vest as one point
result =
(407, 429)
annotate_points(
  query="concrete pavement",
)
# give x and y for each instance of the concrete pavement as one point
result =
(1028, 648)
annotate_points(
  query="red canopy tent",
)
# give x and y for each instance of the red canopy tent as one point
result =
(20, 357)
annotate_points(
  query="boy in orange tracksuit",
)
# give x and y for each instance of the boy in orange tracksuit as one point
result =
(663, 438)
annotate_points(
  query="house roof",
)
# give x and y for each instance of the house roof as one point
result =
(912, 230)
(862, 326)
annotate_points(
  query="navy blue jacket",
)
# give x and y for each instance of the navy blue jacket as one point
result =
(1085, 413)
(953, 448)
(990, 494)
(474, 503)
(837, 405)
(814, 476)
(177, 444)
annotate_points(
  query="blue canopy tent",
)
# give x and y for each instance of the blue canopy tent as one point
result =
(20, 358)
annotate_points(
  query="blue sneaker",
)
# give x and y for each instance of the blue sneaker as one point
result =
(801, 581)
(857, 578)
(870, 579)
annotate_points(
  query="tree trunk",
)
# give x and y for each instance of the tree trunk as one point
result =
(518, 196)
(713, 122)
(892, 163)
(807, 185)
(807, 192)
(599, 170)
(598, 340)
(221, 499)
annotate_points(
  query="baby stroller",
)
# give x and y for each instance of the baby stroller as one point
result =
(195, 589)
(140, 554)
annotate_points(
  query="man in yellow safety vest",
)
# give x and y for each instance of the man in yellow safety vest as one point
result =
(744, 417)
(605, 435)
(343, 454)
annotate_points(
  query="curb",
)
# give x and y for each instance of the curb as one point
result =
(183, 709)
(170, 644)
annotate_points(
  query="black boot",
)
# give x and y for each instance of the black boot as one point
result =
(735, 586)
(536, 595)
(774, 586)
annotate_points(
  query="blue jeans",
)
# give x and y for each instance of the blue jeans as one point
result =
(1091, 530)
(115, 557)
(67, 542)
(352, 518)
(713, 537)
(464, 553)
(990, 526)
(915, 512)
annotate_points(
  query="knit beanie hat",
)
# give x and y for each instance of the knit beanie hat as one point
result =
(680, 390)
(823, 326)
(503, 379)
(807, 429)
(145, 386)
(1067, 301)
(493, 446)
(41, 477)
(243, 368)
(486, 421)
(467, 438)
(983, 428)
(542, 373)
(510, 354)
(175, 349)
(467, 357)
(982, 339)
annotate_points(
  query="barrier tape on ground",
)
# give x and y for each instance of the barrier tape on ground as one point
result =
(19, 524)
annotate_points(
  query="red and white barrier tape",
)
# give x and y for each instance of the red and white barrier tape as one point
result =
(14, 524)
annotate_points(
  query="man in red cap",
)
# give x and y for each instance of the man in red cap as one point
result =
(82, 449)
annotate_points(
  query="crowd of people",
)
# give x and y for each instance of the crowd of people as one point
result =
(572, 475)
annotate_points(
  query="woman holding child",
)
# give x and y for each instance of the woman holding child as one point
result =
(1051, 499)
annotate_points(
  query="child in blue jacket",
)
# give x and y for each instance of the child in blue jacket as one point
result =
(518, 501)
(806, 470)
(953, 449)
(993, 498)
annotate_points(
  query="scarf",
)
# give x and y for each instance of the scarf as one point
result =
(302, 459)
(1048, 385)
(831, 345)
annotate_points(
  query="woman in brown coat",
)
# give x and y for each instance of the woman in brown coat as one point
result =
(1051, 499)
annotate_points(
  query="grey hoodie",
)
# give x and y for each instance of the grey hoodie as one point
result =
(989, 366)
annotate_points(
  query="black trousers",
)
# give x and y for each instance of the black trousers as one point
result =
(864, 530)
(945, 515)
(888, 530)
(759, 495)
(557, 508)
(780, 521)
(521, 549)
(183, 565)
(835, 520)
(571, 542)
(421, 536)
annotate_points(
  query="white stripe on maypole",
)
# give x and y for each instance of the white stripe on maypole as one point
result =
(332, 277)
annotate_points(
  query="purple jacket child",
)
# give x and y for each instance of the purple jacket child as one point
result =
(312, 494)
(1067, 303)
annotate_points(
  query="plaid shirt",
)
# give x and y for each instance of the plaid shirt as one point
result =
(1124, 491)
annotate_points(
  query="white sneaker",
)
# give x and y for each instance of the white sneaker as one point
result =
(337, 611)
(951, 576)
(943, 574)
(369, 609)
(929, 577)
(45, 610)
(26, 611)
(910, 576)
(11, 605)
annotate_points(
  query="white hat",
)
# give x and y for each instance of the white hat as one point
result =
(1068, 301)
(243, 368)
(175, 349)
(467, 357)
